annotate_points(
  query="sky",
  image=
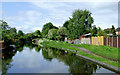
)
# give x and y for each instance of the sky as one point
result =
(30, 16)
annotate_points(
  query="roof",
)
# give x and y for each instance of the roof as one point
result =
(86, 34)
(118, 29)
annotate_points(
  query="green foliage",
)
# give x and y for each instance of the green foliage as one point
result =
(7, 33)
(94, 31)
(46, 28)
(37, 33)
(20, 33)
(45, 32)
(66, 24)
(113, 30)
(52, 34)
(80, 23)
(100, 32)
(62, 31)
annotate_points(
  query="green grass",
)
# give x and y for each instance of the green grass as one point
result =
(101, 50)
(104, 51)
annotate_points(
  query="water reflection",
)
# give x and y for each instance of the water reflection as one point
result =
(29, 58)
(76, 65)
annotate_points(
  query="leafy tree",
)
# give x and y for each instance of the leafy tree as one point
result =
(66, 24)
(7, 33)
(62, 32)
(52, 34)
(113, 30)
(45, 32)
(80, 23)
(20, 33)
(4, 25)
(37, 33)
(94, 31)
(100, 32)
(46, 28)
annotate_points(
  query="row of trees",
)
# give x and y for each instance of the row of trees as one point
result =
(80, 23)
(99, 32)
(8, 34)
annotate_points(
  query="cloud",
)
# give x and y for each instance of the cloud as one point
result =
(24, 20)
(105, 14)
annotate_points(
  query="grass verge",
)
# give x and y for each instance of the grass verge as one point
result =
(98, 49)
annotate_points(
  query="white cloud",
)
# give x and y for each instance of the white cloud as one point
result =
(104, 14)
(24, 20)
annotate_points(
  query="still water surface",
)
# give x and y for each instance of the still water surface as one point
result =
(34, 59)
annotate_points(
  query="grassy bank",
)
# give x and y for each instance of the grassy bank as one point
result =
(104, 51)
(101, 50)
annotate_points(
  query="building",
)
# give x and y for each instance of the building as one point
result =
(86, 35)
(118, 31)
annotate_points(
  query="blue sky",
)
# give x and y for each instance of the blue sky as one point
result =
(31, 16)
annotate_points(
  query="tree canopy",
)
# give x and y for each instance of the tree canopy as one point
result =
(94, 31)
(66, 24)
(46, 28)
(37, 33)
(52, 34)
(62, 32)
(113, 30)
(20, 33)
(80, 23)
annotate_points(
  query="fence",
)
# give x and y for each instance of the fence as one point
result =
(97, 40)
(108, 41)
(85, 40)
(112, 41)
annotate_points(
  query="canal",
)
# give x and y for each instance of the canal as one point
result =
(30, 58)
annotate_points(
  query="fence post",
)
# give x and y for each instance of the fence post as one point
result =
(117, 41)
(112, 41)
(107, 41)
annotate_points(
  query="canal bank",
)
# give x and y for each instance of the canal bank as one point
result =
(47, 60)
(112, 65)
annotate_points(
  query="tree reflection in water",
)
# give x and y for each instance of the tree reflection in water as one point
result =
(75, 63)
(10, 51)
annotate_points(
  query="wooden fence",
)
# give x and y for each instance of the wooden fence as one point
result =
(112, 41)
(108, 41)
(97, 40)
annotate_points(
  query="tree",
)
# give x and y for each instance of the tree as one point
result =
(62, 31)
(37, 33)
(46, 28)
(52, 34)
(113, 30)
(20, 33)
(80, 23)
(7, 33)
(66, 24)
(94, 31)
(101, 32)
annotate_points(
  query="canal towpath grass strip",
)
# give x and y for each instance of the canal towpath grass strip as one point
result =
(104, 51)
(64, 45)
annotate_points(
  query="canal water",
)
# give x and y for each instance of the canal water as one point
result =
(29, 58)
